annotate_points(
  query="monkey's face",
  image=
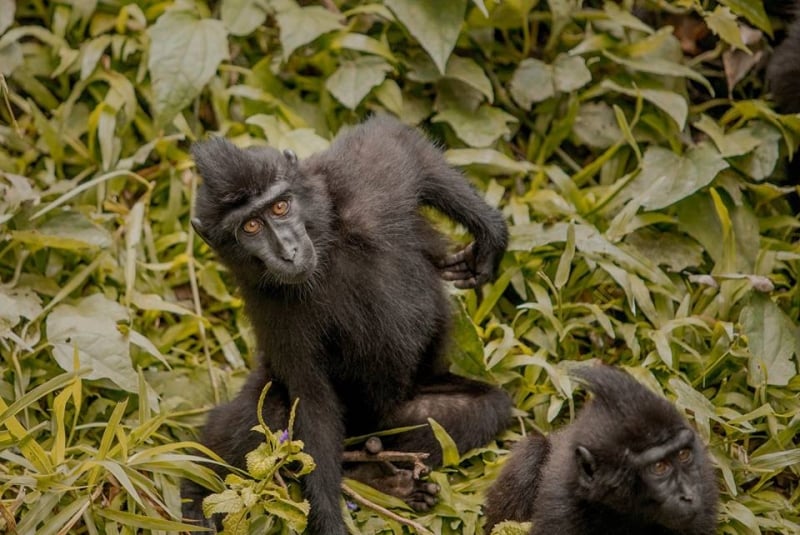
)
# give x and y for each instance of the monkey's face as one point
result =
(253, 209)
(673, 476)
(273, 232)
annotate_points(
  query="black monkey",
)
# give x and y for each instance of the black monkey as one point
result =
(628, 465)
(783, 70)
(341, 277)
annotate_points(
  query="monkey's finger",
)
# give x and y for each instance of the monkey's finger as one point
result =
(464, 255)
(456, 275)
(466, 284)
(458, 266)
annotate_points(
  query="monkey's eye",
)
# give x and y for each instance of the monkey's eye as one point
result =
(660, 468)
(252, 226)
(685, 455)
(280, 208)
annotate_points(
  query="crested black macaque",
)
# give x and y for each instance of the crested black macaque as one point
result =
(783, 70)
(341, 277)
(628, 465)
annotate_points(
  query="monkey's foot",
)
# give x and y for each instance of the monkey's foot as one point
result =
(399, 482)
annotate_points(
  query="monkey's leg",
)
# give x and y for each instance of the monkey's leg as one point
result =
(228, 433)
(471, 412)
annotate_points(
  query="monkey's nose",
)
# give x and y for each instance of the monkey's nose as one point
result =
(289, 254)
(687, 497)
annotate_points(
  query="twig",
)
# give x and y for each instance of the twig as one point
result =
(385, 512)
(391, 457)
(330, 6)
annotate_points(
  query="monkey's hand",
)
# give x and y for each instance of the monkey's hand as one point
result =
(470, 267)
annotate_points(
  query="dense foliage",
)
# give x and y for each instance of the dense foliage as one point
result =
(638, 160)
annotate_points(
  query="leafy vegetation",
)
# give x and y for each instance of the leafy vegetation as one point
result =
(639, 163)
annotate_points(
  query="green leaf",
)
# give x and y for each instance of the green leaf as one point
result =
(736, 143)
(666, 177)
(242, 17)
(302, 25)
(570, 73)
(185, 52)
(480, 128)
(671, 103)
(723, 23)
(773, 339)
(353, 80)
(596, 125)
(17, 303)
(450, 454)
(752, 10)
(90, 328)
(436, 25)
(469, 72)
(68, 230)
(487, 160)
(531, 82)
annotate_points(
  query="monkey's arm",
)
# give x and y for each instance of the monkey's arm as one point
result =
(319, 425)
(513, 494)
(448, 191)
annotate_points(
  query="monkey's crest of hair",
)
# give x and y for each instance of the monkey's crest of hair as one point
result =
(622, 403)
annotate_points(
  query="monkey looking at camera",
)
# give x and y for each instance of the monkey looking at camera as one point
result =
(628, 465)
(341, 278)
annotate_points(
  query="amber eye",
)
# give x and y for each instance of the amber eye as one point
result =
(280, 208)
(685, 455)
(251, 226)
(659, 468)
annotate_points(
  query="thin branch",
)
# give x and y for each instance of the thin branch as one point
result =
(417, 459)
(385, 512)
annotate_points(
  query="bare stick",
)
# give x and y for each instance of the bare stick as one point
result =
(389, 456)
(419, 528)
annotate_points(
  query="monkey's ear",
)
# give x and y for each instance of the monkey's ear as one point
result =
(198, 228)
(290, 155)
(587, 466)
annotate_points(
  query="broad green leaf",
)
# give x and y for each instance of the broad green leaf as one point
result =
(752, 10)
(67, 230)
(596, 125)
(662, 66)
(353, 80)
(185, 52)
(90, 327)
(480, 128)
(435, 25)
(570, 73)
(242, 17)
(17, 303)
(736, 143)
(671, 103)
(469, 72)
(666, 177)
(675, 251)
(773, 339)
(364, 43)
(302, 25)
(723, 23)
(487, 160)
(532, 82)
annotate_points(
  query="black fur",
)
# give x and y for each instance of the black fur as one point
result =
(595, 476)
(783, 71)
(357, 327)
